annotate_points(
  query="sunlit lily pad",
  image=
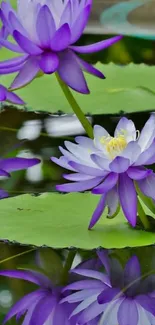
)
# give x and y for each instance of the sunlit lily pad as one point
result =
(60, 221)
(129, 88)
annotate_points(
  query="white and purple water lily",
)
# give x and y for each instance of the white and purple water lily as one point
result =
(115, 296)
(8, 165)
(45, 32)
(42, 306)
(6, 95)
(112, 167)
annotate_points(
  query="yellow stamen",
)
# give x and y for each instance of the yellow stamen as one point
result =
(114, 146)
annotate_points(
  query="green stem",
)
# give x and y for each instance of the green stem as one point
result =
(143, 217)
(67, 266)
(17, 255)
(75, 107)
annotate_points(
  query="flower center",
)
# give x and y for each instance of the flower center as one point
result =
(114, 145)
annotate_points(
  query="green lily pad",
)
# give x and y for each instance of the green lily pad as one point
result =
(60, 221)
(130, 88)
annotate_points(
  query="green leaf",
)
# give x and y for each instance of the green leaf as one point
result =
(61, 220)
(130, 88)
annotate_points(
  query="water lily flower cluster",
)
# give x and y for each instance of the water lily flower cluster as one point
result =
(108, 297)
(44, 33)
(42, 306)
(116, 296)
(112, 167)
(8, 165)
(6, 95)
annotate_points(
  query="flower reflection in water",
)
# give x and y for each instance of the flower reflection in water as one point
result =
(116, 296)
(98, 291)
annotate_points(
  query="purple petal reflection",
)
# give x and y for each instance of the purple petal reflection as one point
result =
(27, 275)
(24, 304)
(128, 313)
(43, 310)
(109, 294)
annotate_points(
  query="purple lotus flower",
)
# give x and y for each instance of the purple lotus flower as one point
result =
(8, 165)
(9, 96)
(45, 32)
(42, 306)
(115, 296)
(112, 166)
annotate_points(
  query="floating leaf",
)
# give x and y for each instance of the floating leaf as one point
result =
(61, 220)
(130, 88)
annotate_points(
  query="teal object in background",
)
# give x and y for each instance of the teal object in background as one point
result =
(115, 19)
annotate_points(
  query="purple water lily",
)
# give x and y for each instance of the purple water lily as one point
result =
(8, 165)
(9, 96)
(45, 32)
(115, 296)
(42, 306)
(112, 167)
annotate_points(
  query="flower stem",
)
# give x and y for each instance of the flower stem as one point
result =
(75, 107)
(143, 217)
(17, 255)
(67, 266)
